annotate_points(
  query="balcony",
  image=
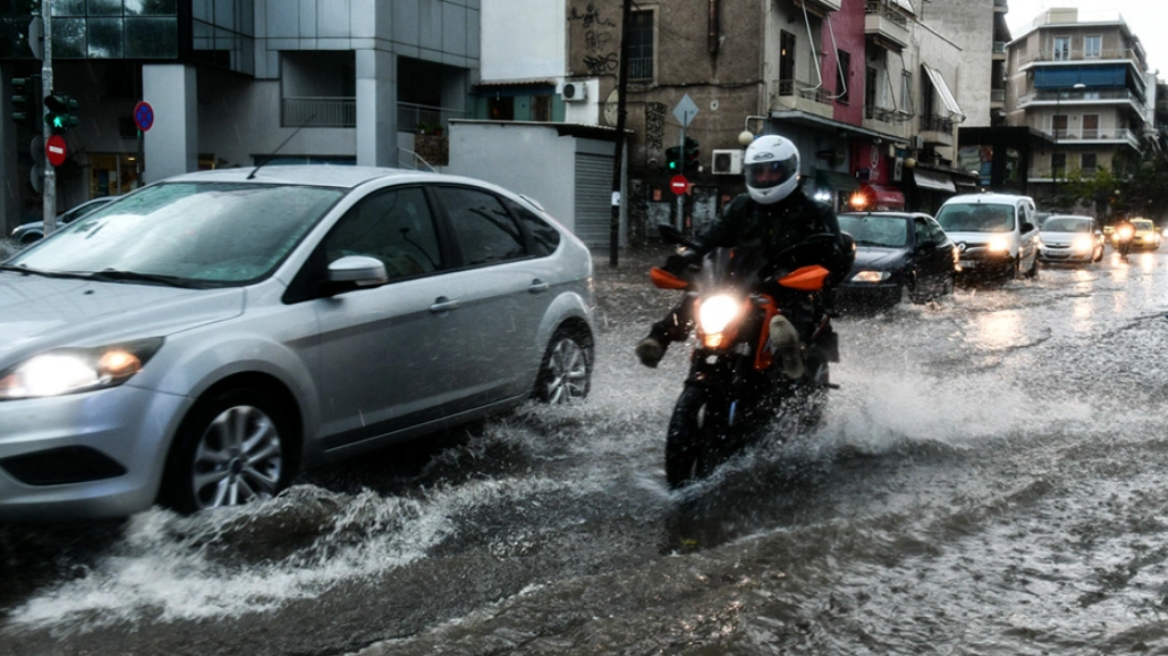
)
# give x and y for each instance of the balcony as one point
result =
(1001, 5)
(1094, 137)
(1000, 50)
(803, 97)
(884, 21)
(937, 130)
(318, 112)
(997, 97)
(821, 5)
(1047, 55)
(1054, 98)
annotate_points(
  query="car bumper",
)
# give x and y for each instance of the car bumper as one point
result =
(983, 263)
(1048, 254)
(868, 293)
(84, 456)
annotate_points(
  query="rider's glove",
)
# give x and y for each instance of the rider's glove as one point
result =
(684, 258)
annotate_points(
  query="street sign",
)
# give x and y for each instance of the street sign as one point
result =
(36, 37)
(685, 111)
(55, 150)
(143, 115)
(678, 184)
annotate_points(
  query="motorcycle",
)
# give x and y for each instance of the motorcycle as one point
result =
(1123, 240)
(737, 383)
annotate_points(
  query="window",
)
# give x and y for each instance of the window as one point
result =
(906, 95)
(544, 237)
(483, 229)
(393, 226)
(641, 45)
(786, 63)
(843, 75)
(870, 93)
(921, 231)
(1062, 48)
(1090, 126)
(1093, 47)
(1058, 124)
(541, 108)
(1058, 164)
(1090, 163)
(501, 108)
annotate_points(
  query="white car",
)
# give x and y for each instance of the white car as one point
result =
(996, 234)
(197, 342)
(27, 233)
(1071, 238)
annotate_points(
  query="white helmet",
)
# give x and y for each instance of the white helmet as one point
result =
(772, 169)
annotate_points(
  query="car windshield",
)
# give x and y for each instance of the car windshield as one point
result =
(875, 229)
(976, 217)
(1066, 224)
(1143, 224)
(206, 233)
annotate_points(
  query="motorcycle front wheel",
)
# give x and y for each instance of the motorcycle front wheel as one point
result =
(697, 431)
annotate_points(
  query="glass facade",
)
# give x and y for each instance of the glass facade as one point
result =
(216, 32)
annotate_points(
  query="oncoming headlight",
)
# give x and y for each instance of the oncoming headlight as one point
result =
(73, 370)
(1083, 244)
(998, 245)
(716, 312)
(871, 276)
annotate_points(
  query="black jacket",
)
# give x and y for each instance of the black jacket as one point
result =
(748, 224)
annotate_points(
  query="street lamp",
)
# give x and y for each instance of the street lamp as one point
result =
(1058, 100)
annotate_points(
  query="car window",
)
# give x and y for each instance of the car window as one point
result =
(483, 229)
(1067, 225)
(1142, 224)
(976, 217)
(875, 230)
(922, 231)
(935, 229)
(393, 226)
(545, 238)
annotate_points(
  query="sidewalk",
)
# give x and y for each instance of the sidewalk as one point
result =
(624, 294)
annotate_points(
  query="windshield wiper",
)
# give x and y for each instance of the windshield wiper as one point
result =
(47, 274)
(115, 275)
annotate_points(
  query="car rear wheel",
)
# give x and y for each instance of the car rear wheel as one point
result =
(231, 450)
(565, 375)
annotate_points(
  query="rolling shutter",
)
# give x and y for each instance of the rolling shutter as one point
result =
(593, 199)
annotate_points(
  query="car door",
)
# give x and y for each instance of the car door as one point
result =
(506, 292)
(929, 256)
(389, 357)
(1027, 234)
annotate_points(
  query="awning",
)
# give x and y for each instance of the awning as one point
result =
(841, 182)
(1066, 77)
(883, 197)
(934, 180)
(943, 90)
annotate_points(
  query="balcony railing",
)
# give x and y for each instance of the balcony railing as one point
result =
(999, 47)
(997, 95)
(319, 112)
(937, 124)
(411, 117)
(882, 9)
(804, 90)
(1078, 96)
(1094, 134)
(1051, 55)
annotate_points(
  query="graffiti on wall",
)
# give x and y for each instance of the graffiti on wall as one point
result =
(654, 126)
(599, 56)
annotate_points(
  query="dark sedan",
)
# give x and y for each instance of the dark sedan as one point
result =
(899, 255)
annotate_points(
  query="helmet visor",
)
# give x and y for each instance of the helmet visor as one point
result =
(764, 175)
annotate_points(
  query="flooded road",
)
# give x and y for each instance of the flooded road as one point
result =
(989, 479)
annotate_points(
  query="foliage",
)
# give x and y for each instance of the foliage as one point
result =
(1138, 189)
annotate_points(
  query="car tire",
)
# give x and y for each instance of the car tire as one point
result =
(232, 448)
(950, 284)
(565, 374)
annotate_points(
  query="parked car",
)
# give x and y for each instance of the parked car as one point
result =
(1070, 238)
(27, 233)
(899, 255)
(202, 339)
(996, 234)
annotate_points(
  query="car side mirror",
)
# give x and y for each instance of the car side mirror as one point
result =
(1027, 226)
(355, 272)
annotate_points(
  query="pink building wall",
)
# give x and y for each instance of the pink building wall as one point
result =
(848, 27)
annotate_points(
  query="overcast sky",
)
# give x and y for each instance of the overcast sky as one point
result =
(1148, 19)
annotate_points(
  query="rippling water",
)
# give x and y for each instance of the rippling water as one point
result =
(987, 480)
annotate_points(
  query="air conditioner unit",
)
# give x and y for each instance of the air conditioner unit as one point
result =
(727, 162)
(574, 91)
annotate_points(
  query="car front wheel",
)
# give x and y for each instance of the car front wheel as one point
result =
(565, 374)
(231, 450)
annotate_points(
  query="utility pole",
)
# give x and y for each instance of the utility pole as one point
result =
(50, 186)
(618, 199)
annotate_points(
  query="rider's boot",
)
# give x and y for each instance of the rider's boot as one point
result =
(784, 342)
(651, 349)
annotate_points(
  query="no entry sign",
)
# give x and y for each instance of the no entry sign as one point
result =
(55, 150)
(678, 184)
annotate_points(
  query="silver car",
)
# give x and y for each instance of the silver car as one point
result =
(27, 233)
(197, 342)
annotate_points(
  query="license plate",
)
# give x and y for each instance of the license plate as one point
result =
(967, 264)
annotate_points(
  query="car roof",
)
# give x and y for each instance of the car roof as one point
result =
(320, 175)
(988, 197)
(1070, 216)
(903, 215)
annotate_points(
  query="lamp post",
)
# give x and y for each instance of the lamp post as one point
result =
(1058, 100)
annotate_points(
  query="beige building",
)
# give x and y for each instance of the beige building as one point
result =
(1083, 82)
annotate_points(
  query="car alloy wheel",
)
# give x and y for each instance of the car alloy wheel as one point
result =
(231, 451)
(566, 372)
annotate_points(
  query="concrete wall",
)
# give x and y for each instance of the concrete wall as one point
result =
(969, 25)
(523, 39)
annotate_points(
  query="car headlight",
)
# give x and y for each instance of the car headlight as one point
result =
(998, 245)
(1083, 244)
(717, 312)
(72, 370)
(871, 276)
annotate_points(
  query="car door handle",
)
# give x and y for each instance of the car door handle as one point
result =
(443, 304)
(538, 286)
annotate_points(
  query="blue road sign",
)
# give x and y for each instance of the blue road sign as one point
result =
(143, 115)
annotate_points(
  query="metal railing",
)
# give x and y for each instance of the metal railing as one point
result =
(804, 90)
(1073, 95)
(1062, 54)
(885, 10)
(997, 95)
(999, 47)
(937, 124)
(412, 117)
(318, 112)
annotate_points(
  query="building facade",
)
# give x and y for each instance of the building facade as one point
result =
(1085, 85)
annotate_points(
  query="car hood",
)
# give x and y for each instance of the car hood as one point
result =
(877, 257)
(37, 313)
(1060, 238)
(976, 238)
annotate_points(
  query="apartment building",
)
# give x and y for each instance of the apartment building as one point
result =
(1083, 82)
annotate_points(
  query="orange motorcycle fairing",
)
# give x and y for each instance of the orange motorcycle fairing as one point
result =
(665, 280)
(805, 279)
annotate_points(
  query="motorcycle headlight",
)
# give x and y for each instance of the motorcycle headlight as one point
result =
(871, 276)
(73, 370)
(717, 312)
(998, 245)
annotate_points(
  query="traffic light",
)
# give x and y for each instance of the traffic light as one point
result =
(679, 160)
(26, 101)
(60, 117)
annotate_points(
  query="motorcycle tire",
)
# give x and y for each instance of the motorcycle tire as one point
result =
(696, 430)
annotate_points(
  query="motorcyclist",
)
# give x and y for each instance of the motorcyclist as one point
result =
(772, 215)
(1125, 232)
